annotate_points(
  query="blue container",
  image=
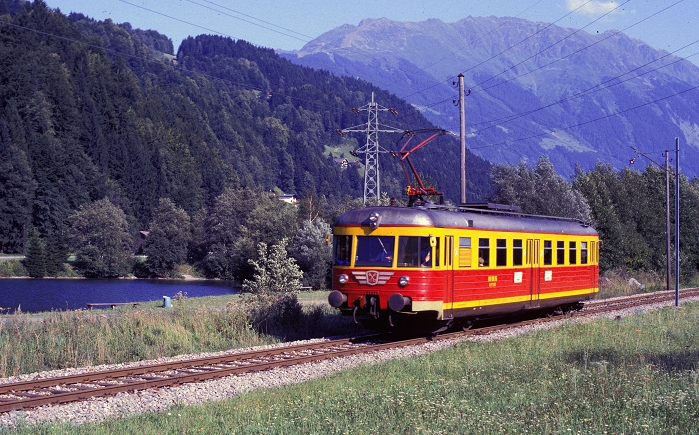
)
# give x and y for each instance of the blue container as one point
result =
(167, 302)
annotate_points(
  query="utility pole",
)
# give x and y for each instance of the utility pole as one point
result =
(668, 245)
(372, 128)
(462, 136)
(677, 221)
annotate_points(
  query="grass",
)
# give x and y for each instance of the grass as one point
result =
(62, 339)
(633, 375)
(617, 283)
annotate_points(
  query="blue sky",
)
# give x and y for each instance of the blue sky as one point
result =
(288, 25)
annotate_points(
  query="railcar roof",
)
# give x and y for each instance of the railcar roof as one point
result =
(476, 219)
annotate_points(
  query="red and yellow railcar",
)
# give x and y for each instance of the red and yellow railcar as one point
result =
(421, 266)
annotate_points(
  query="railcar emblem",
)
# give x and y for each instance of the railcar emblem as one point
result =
(372, 277)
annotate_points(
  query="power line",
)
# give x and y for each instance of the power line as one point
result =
(614, 81)
(591, 120)
(286, 32)
(177, 19)
(579, 50)
(152, 60)
(564, 57)
(460, 50)
(587, 91)
(552, 45)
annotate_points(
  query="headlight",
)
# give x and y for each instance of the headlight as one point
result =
(342, 279)
(403, 281)
(374, 220)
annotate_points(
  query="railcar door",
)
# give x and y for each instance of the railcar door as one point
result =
(449, 280)
(593, 262)
(533, 247)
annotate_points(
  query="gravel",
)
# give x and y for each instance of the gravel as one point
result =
(124, 404)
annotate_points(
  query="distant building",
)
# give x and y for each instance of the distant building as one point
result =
(342, 163)
(290, 198)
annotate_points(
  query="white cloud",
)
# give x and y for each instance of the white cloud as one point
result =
(592, 7)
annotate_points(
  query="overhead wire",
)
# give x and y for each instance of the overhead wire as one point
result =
(552, 45)
(503, 51)
(460, 50)
(287, 32)
(557, 60)
(377, 83)
(591, 120)
(304, 100)
(587, 91)
(611, 35)
(158, 61)
(614, 81)
(177, 19)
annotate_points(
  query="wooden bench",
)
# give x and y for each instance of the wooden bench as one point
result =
(112, 304)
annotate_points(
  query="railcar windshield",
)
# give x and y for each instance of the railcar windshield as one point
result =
(374, 251)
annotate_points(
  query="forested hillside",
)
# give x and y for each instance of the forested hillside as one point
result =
(92, 110)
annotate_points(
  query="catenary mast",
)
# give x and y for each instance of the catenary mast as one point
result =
(371, 150)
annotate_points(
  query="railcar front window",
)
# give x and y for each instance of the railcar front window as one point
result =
(414, 252)
(374, 251)
(343, 250)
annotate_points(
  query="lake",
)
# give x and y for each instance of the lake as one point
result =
(34, 295)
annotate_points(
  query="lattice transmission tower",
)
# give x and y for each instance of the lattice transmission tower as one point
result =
(372, 128)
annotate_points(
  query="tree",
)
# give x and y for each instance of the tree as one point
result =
(222, 229)
(618, 204)
(275, 272)
(271, 296)
(312, 250)
(16, 191)
(538, 190)
(35, 259)
(101, 240)
(169, 235)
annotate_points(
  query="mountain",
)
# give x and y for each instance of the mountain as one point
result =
(93, 109)
(535, 88)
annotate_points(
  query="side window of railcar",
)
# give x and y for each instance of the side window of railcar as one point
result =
(416, 252)
(548, 252)
(501, 252)
(583, 252)
(343, 250)
(517, 252)
(560, 252)
(465, 252)
(573, 256)
(374, 251)
(484, 252)
(437, 253)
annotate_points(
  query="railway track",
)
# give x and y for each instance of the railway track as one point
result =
(79, 387)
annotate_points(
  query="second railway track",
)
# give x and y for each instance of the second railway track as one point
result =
(80, 387)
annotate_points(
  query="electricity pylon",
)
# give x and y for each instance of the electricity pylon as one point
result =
(372, 128)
